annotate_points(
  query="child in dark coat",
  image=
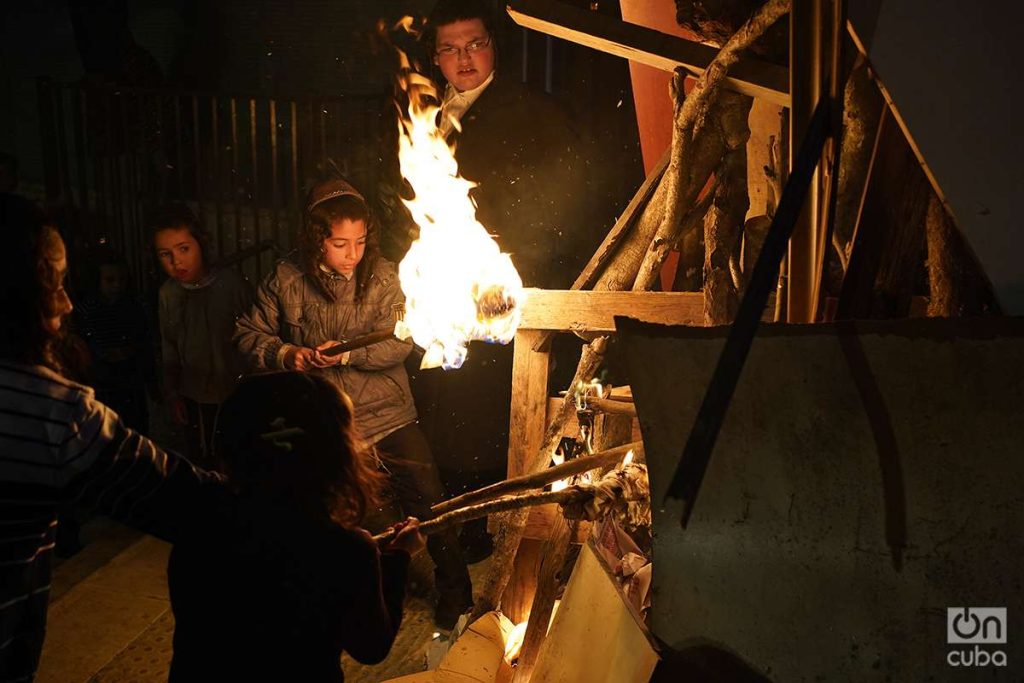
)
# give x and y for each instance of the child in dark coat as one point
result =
(280, 579)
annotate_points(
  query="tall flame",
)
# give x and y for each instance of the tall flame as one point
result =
(458, 285)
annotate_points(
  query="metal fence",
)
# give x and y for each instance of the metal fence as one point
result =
(113, 154)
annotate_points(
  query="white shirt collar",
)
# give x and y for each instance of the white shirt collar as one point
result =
(457, 102)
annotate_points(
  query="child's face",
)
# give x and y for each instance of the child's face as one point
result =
(60, 303)
(344, 248)
(180, 255)
(465, 70)
(112, 281)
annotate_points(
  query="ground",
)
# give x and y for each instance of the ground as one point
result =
(110, 619)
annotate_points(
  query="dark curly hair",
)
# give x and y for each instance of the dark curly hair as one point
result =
(290, 437)
(449, 11)
(29, 282)
(316, 227)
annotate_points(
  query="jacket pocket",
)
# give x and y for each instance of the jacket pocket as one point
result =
(293, 322)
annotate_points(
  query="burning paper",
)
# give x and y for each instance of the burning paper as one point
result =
(458, 285)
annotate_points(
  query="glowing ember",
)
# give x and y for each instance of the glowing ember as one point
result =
(561, 484)
(458, 285)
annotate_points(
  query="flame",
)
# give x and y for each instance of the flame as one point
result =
(561, 484)
(514, 643)
(458, 285)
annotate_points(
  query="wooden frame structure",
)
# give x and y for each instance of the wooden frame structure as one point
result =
(545, 312)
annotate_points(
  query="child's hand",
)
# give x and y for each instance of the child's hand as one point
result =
(323, 361)
(409, 539)
(300, 358)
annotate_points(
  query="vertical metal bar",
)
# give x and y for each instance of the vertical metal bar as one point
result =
(157, 153)
(526, 55)
(179, 161)
(234, 176)
(321, 108)
(197, 130)
(63, 159)
(94, 152)
(805, 76)
(549, 49)
(218, 175)
(131, 177)
(275, 199)
(51, 177)
(78, 117)
(296, 202)
(115, 142)
(254, 153)
(310, 161)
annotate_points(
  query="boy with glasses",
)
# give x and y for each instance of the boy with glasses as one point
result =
(520, 146)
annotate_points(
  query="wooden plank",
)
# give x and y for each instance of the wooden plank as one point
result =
(527, 418)
(522, 585)
(570, 310)
(595, 311)
(750, 76)
(554, 554)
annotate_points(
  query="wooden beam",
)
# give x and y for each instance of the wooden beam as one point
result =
(806, 54)
(595, 311)
(750, 76)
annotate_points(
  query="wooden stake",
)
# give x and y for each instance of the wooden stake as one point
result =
(535, 480)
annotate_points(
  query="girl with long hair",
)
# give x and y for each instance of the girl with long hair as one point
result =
(280, 579)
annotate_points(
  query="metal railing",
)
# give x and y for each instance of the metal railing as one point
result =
(112, 154)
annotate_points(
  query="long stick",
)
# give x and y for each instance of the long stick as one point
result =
(534, 480)
(523, 500)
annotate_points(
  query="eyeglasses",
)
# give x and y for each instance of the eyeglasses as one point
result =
(475, 46)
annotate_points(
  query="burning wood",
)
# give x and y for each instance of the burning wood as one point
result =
(624, 492)
(458, 285)
(552, 474)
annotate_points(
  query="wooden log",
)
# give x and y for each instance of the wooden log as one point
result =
(518, 501)
(535, 480)
(889, 236)
(685, 177)
(863, 106)
(751, 76)
(604, 405)
(723, 223)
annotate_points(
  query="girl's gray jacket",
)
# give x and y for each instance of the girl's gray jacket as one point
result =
(290, 310)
